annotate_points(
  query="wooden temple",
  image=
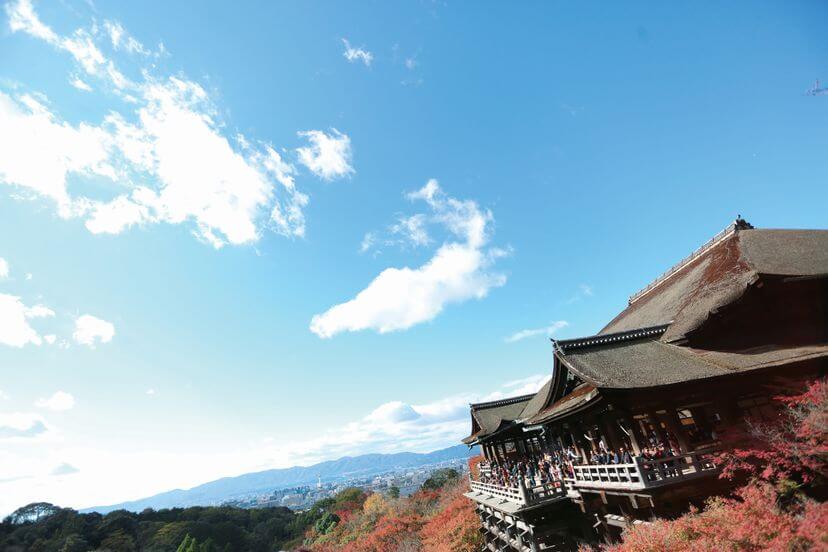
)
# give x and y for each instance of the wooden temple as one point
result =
(692, 355)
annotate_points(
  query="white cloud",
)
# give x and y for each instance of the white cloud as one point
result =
(15, 330)
(37, 152)
(357, 54)
(328, 156)
(4, 268)
(50, 339)
(397, 426)
(90, 330)
(399, 298)
(59, 401)
(170, 160)
(545, 331)
(151, 392)
(78, 83)
(3, 395)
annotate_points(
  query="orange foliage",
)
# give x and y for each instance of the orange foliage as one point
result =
(438, 521)
(454, 528)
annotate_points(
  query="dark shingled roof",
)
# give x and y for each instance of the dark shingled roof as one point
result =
(580, 396)
(720, 274)
(489, 417)
(650, 362)
(537, 401)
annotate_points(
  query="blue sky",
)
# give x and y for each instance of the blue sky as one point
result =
(240, 236)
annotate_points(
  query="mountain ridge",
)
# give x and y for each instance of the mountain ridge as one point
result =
(226, 488)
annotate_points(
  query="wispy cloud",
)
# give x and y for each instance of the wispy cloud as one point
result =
(547, 331)
(21, 425)
(4, 268)
(354, 55)
(584, 291)
(64, 469)
(399, 298)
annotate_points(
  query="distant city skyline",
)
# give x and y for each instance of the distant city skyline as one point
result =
(239, 237)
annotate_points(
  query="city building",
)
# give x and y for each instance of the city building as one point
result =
(631, 416)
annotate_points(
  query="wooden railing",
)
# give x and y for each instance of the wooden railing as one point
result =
(526, 493)
(643, 474)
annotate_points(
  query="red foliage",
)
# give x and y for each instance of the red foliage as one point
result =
(793, 447)
(791, 452)
(390, 533)
(751, 521)
(453, 529)
(474, 465)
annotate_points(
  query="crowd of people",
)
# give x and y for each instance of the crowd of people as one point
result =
(554, 465)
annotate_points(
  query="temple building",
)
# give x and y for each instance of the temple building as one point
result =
(625, 429)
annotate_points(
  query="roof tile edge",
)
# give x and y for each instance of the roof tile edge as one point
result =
(564, 345)
(502, 402)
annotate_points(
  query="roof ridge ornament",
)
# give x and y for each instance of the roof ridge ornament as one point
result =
(732, 228)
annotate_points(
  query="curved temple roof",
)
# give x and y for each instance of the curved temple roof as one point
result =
(490, 417)
(719, 275)
(640, 347)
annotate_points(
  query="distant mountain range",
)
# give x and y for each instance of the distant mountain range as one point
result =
(227, 488)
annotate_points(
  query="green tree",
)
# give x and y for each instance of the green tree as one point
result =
(75, 543)
(187, 544)
(439, 479)
(394, 492)
(118, 542)
(328, 521)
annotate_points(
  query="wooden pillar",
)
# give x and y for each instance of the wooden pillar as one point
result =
(635, 434)
(651, 414)
(675, 428)
(608, 424)
(578, 435)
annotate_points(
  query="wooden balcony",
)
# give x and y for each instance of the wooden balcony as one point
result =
(643, 474)
(528, 493)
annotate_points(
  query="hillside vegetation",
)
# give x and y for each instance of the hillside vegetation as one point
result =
(437, 517)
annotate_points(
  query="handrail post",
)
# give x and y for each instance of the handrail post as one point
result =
(522, 489)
